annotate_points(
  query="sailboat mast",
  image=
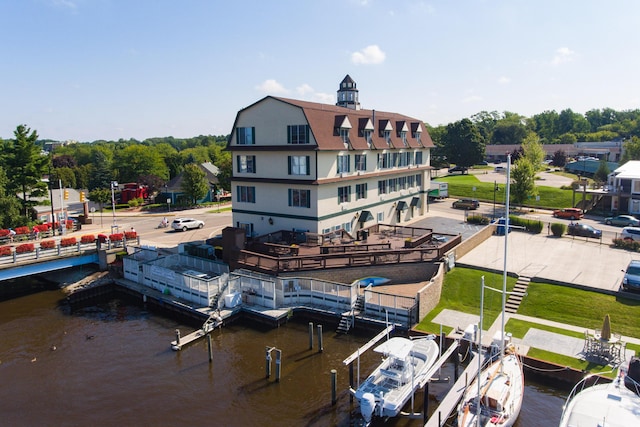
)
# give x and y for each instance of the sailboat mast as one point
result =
(504, 269)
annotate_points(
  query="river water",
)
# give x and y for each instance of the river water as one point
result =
(111, 364)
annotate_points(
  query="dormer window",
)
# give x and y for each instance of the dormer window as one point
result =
(387, 136)
(368, 136)
(403, 137)
(344, 135)
(416, 132)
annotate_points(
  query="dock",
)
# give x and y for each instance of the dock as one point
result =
(209, 325)
(450, 402)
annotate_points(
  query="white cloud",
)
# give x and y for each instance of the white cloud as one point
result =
(71, 5)
(324, 98)
(563, 55)
(271, 86)
(369, 55)
(304, 89)
(503, 80)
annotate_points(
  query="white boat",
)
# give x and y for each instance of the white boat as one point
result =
(402, 371)
(495, 396)
(613, 404)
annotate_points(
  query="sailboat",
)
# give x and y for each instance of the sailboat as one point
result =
(612, 404)
(495, 397)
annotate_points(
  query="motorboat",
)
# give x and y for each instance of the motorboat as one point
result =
(403, 370)
(613, 404)
(495, 397)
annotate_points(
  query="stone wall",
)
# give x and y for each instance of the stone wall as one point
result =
(429, 295)
(469, 244)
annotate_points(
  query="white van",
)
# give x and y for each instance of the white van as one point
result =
(630, 233)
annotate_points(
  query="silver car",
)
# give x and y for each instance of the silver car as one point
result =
(185, 224)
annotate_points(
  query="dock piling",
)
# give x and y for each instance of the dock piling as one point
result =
(209, 348)
(268, 362)
(334, 386)
(178, 337)
(425, 405)
(310, 335)
(320, 346)
(278, 364)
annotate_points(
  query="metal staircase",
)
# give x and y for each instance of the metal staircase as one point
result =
(346, 320)
(515, 297)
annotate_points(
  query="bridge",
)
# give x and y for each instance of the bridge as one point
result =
(38, 261)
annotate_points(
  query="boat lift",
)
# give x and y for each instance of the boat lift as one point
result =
(385, 333)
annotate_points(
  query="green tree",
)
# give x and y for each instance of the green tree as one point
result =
(463, 143)
(194, 183)
(9, 205)
(559, 158)
(533, 150)
(100, 196)
(225, 167)
(26, 165)
(602, 174)
(136, 160)
(631, 150)
(101, 175)
(523, 181)
(65, 175)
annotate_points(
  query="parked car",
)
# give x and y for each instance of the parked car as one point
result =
(583, 230)
(461, 169)
(499, 169)
(185, 224)
(568, 213)
(630, 233)
(466, 204)
(623, 220)
(631, 280)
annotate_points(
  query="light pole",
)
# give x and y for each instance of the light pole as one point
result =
(114, 185)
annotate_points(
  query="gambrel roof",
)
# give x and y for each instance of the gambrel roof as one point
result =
(325, 121)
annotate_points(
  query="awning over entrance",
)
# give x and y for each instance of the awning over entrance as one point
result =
(364, 217)
(415, 202)
(401, 206)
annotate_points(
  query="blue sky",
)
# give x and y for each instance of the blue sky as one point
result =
(109, 69)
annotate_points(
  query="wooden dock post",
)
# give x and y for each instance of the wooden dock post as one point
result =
(351, 385)
(278, 364)
(178, 338)
(456, 364)
(209, 348)
(268, 362)
(334, 386)
(320, 346)
(310, 335)
(425, 405)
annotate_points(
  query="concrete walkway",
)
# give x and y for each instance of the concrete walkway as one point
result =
(536, 338)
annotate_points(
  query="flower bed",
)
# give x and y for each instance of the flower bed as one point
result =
(24, 248)
(116, 237)
(47, 244)
(87, 238)
(22, 230)
(130, 235)
(5, 250)
(68, 241)
(102, 238)
(4, 232)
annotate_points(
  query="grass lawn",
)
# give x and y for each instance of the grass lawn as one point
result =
(461, 292)
(463, 185)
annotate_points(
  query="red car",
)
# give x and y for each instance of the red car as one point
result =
(568, 213)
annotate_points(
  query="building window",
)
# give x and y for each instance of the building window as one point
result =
(360, 162)
(410, 158)
(299, 165)
(418, 180)
(387, 136)
(411, 181)
(418, 157)
(344, 134)
(344, 164)
(344, 194)
(298, 134)
(403, 137)
(246, 164)
(382, 187)
(246, 136)
(246, 194)
(384, 160)
(299, 198)
(393, 185)
(361, 191)
(367, 135)
(402, 183)
(380, 216)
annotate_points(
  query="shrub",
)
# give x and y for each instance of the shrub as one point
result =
(24, 248)
(630, 245)
(41, 227)
(116, 237)
(47, 244)
(558, 229)
(531, 225)
(102, 238)
(87, 238)
(130, 235)
(477, 219)
(5, 250)
(68, 224)
(68, 241)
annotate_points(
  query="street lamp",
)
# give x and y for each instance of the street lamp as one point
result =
(495, 189)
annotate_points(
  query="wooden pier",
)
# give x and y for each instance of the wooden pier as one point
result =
(211, 323)
(450, 402)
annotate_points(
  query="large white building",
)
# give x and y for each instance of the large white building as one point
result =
(315, 167)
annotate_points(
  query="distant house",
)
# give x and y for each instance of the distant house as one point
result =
(609, 150)
(307, 166)
(173, 192)
(624, 188)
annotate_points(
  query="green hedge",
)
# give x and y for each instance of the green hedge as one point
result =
(558, 229)
(478, 219)
(531, 225)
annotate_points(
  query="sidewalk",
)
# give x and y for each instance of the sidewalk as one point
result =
(536, 338)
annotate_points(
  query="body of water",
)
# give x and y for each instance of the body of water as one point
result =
(111, 364)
